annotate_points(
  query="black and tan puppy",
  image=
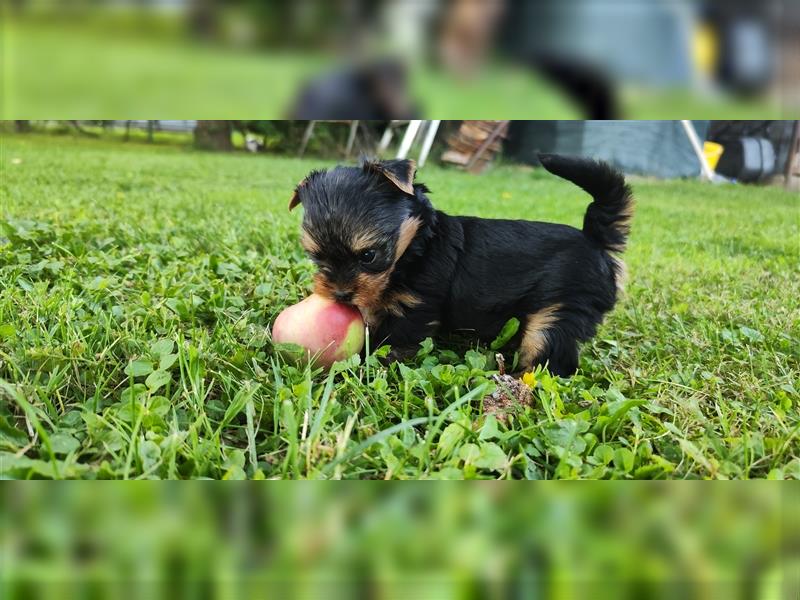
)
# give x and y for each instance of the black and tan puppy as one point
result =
(414, 271)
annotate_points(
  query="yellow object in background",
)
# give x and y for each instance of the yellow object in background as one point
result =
(713, 152)
(705, 49)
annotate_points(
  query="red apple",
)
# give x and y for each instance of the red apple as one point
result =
(328, 331)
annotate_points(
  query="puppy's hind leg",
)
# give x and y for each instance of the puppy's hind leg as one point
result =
(545, 342)
(562, 355)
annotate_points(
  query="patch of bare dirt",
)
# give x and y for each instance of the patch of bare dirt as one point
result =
(510, 394)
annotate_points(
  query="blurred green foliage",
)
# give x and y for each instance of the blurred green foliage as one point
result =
(70, 70)
(593, 541)
(107, 64)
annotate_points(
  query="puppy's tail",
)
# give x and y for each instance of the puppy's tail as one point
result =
(607, 220)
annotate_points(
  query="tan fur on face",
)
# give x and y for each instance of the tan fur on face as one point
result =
(408, 229)
(365, 241)
(372, 319)
(395, 305)
(369, 288)
(322, 287)
(399, 301)
(534, 339)
(309, 243)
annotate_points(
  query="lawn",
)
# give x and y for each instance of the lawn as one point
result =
(91, 73)
(137, 284)
(106, 68)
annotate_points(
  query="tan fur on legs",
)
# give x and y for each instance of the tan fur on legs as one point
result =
(534, 339)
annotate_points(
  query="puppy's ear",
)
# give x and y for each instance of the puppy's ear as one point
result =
(295, 199)
(400, 172)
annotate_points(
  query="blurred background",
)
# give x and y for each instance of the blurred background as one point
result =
(402, 59)
(722, 151)
(599, 541)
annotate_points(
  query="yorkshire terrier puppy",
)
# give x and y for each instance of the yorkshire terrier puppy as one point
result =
(414, 271)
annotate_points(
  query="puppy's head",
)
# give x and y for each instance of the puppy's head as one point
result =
(358, 223)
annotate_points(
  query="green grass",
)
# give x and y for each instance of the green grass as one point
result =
(93, 74)
(95, 70)
(137, 284)
(677, 103)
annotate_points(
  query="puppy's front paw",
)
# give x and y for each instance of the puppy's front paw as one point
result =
(399, 355)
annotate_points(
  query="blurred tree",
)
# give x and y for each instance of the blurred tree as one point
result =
(329, 139)
(297, 24)
(213, 135)
(276, 136)
(203, 18)
(22, 126)
(77, 125)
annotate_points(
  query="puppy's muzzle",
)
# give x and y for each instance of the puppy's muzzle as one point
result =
(343, 295)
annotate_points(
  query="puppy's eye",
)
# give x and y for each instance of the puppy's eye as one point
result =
(367, 256)
(321, 266)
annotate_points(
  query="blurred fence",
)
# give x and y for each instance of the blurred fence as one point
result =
(178, 126)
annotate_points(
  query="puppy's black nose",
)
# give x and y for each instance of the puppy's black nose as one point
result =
(343, 296)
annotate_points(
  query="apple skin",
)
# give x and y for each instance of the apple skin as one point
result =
(328, 330)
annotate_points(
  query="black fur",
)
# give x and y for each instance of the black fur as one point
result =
(465, 273)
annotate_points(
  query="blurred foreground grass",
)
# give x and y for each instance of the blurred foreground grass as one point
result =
(311, 540)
